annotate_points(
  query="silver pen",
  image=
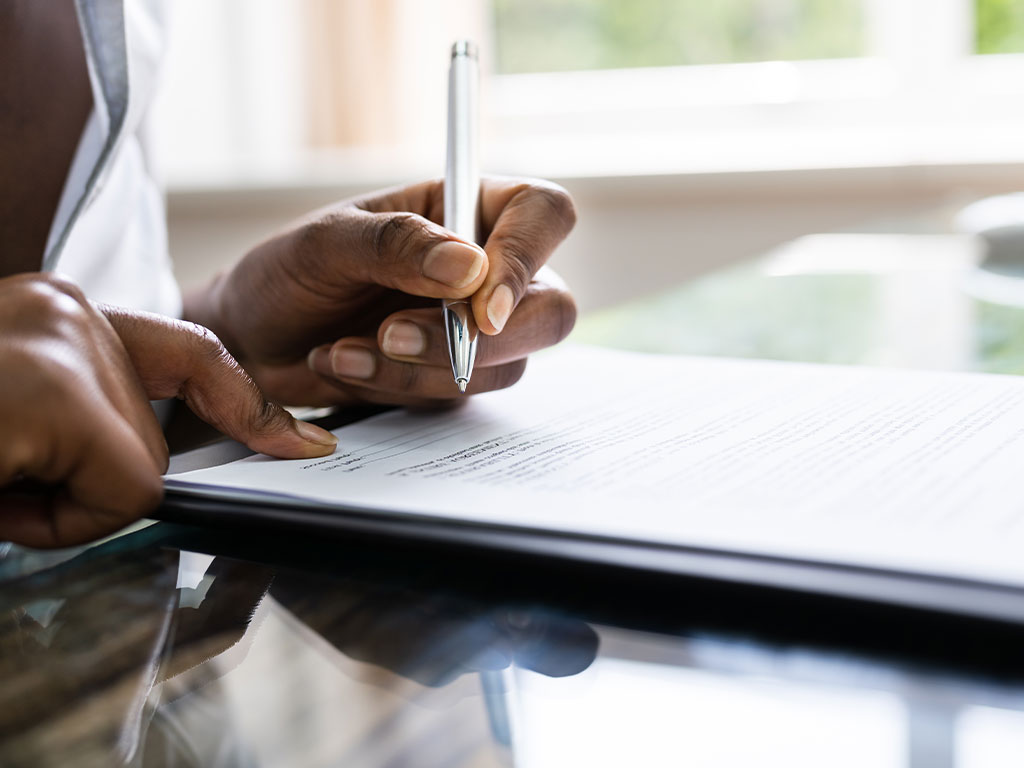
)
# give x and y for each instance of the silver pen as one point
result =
(461, 195)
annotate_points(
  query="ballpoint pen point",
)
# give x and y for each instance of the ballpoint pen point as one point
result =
(463, 383)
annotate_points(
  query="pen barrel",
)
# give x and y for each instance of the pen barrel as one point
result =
(462, 173)
(462, 195)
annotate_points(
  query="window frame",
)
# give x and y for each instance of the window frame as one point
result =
(920, 97)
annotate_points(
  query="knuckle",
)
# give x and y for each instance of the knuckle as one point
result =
(265, 417)
(564, 314)
(63, 285)
(389, 233)
(311, 238)
(54, 379)
(516, 267)
(205, 345)
(325, 232)
(558, 201)
(16, 455)
(517, 270)
(245, 403)
(51, 300)
(397, 236)
(408, 377)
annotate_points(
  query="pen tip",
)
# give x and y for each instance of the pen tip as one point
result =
(463, 383)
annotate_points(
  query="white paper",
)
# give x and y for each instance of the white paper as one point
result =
(914, 471)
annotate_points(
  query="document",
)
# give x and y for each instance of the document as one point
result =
(912, 471)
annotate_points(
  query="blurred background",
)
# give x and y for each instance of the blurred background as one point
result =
(692, 134)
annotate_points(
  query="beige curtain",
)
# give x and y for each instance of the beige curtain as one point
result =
(377, 67)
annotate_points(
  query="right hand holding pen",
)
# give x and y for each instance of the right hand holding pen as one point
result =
(75, 416)
(342, 307)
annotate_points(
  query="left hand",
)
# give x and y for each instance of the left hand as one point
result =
(343, 308)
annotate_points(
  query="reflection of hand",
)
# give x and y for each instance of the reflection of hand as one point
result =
(75, 413)
(432, 638)
(354, 290)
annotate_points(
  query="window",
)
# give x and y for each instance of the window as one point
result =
(355, 88)
(999, 26)
(601, 87)
(560, 35)
(564, 35)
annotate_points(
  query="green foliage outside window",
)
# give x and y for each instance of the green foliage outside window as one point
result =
(999, 26)
(558, 35)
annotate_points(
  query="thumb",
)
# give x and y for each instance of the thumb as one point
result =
(398, 250)
(174, 358)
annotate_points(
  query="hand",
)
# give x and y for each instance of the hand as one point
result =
(432, 636)
(344, 306)
(75, 413)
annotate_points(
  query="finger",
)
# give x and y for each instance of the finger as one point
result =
(179, 359)
(529, 220)
(358, 362)
(555, 646)
(123, 389)
(307, 387)
(366, 395)
(296, 384)
(543, 318)
(403, 251)
(112, 481)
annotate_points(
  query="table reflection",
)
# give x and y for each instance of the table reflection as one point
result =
(155, 657)
(135, 653)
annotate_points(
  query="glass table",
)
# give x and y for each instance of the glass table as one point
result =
(174, 646)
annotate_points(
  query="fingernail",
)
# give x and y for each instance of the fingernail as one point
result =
(454, 263)
(404, 339)
(353, 362)
(314, 434)
(318, 358)
(499, 306)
